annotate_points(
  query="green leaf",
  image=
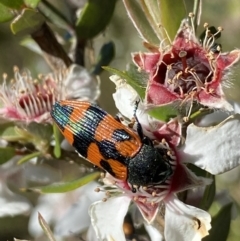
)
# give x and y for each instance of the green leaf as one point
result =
(45, 227)
(209, 194)
(27, 158)
(32, 3)
(6, 14)
(58, 139)
(164, 113)
(136, 82)
(6, 153)
(8, 132)
(66, 187)
(172, 13)
(220, 225)
(52, 14)
(14, 4)
(94, 18)
(30, 44)
(140, 22)
(27, 22)
(105, 56)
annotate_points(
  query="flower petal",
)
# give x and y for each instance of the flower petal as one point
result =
(216, 148)
(12, 204)
(125, 99)
(80, 84)
(148, 210)
(154, 234)
(107, 218)
(184, 222)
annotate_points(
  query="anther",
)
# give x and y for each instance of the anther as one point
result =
(155, 142)
(107, 193)
(135, 198)
(102, 175)
(205, 25)
(104, 199)
(191, 15)
(154, 194)
(97, 189)
(15, 69)
(144, 188)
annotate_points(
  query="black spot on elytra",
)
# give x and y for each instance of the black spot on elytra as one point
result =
(106, 166)
(109, 151)
(88, 125)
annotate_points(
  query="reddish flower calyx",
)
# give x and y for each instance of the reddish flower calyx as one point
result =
(188, 70)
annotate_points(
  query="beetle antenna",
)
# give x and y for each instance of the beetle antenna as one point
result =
(139, 127)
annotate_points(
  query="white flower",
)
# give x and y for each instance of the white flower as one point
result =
(205, 147)
(27, 99)
(11, 204)
(67, 212)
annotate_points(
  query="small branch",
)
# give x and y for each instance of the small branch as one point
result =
(53, 52)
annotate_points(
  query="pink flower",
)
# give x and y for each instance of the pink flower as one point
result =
(27, 99)
(188, 71)
(182, 222)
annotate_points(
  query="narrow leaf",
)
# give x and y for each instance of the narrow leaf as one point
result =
(45, 227)
(28, 157)
(129, 79)
(6, 153)
(6, 14)
(57, 138)
(53, 15)
(105, 56)
(140, 22)
(66, 187)
(164, 113)
(152, 12)
(32, 3)
(14, 4)
(27, 22)
(220, 225)
(94, 18)
(172, 13)
(8, 132)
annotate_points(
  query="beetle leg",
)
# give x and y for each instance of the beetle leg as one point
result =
(139, 127)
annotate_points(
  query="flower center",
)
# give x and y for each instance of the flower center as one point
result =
(185, 72)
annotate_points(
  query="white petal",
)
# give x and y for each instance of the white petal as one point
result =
(58, 210)
(184, 222)
(215, 149)
(125, 97)
(12, 204)
(80, 84)
(153, 233)
(107, 218)
(76, 219)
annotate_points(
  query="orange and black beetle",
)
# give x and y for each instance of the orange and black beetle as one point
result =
(110, 145)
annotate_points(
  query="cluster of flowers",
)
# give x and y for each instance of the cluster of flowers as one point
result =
(184, 82)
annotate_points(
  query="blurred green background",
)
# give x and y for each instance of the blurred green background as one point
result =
(121, 31)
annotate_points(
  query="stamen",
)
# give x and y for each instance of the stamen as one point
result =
(191, 16)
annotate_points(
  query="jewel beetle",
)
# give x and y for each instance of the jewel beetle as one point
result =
(107, 143)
